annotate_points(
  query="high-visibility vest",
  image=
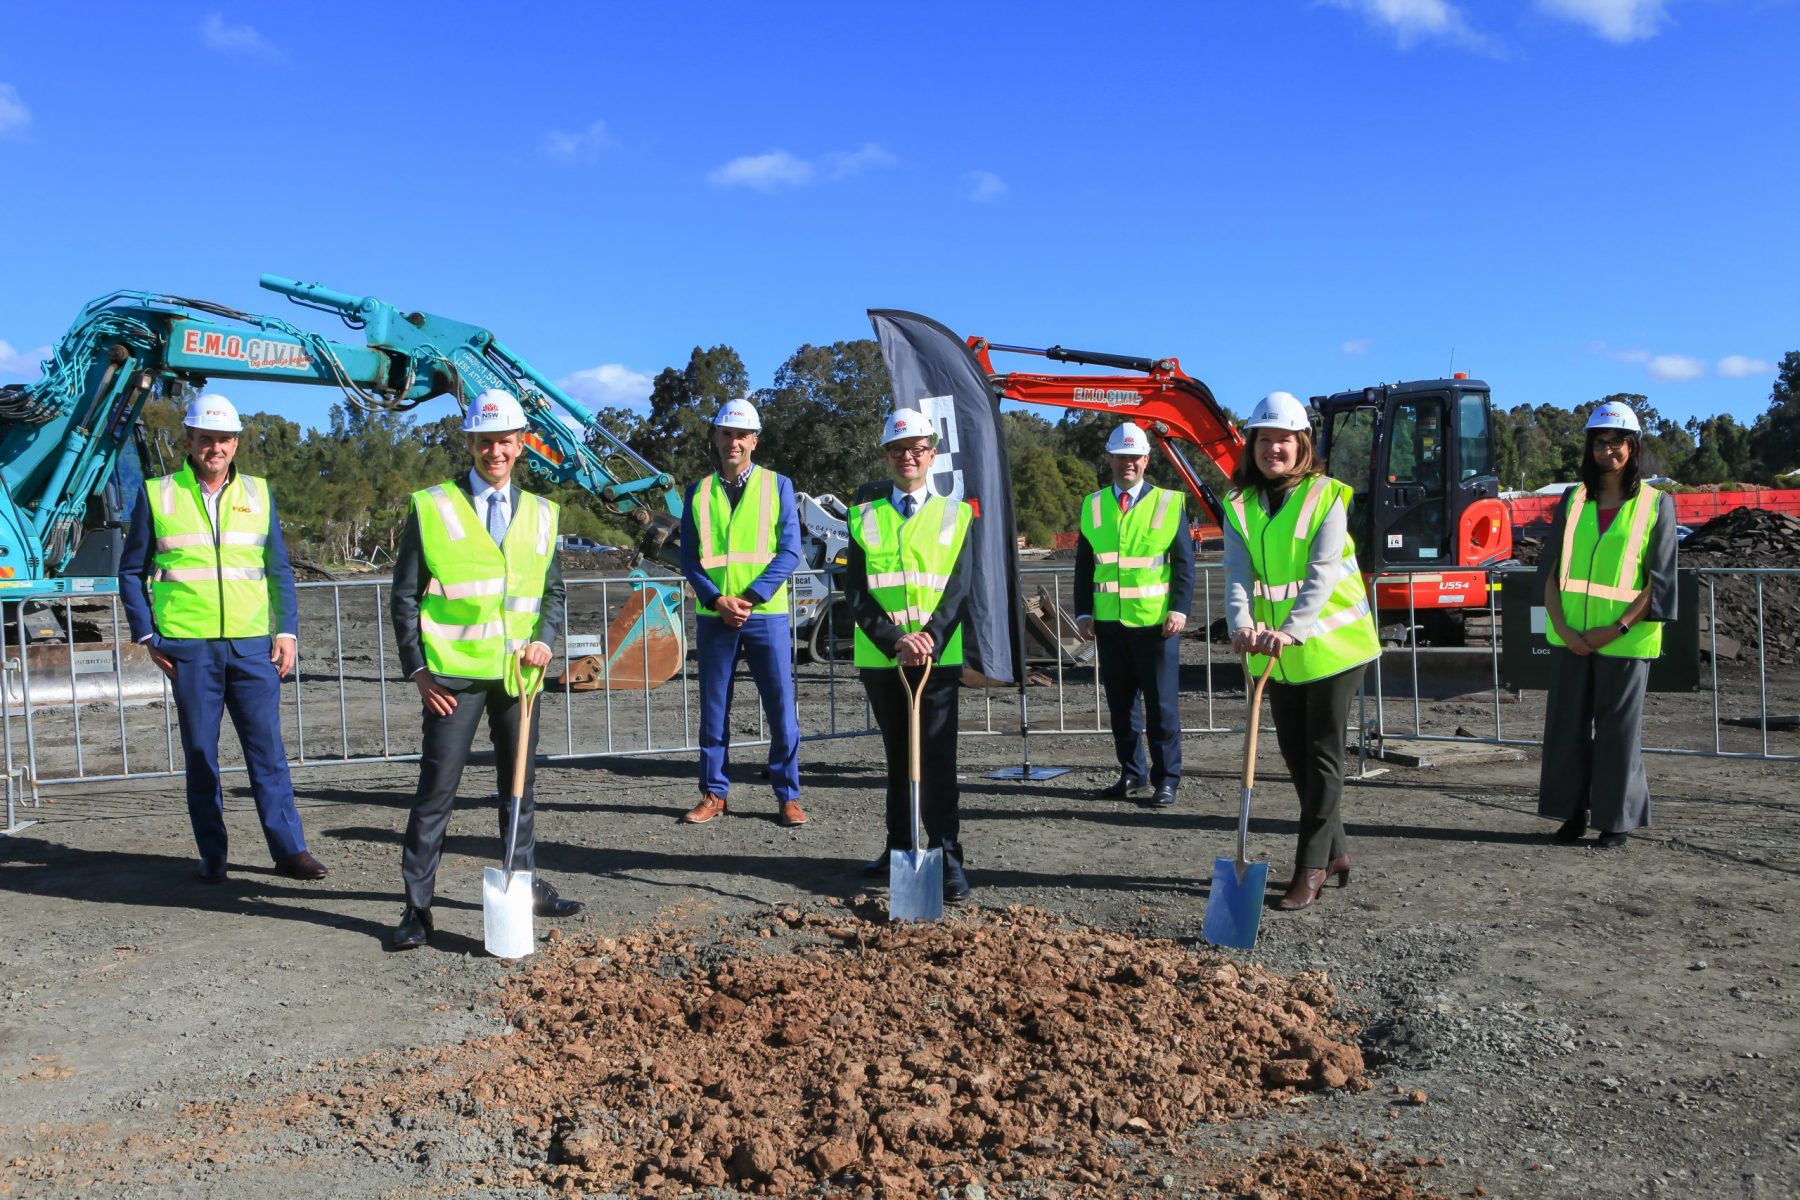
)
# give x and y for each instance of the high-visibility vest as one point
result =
(1599, 574)
(736, 544)
(1344, 635)
(209, 583)
(484, 602)
(909, 564)
(1131, 554)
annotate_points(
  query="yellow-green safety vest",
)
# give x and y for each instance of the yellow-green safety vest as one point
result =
(1344, 636)
(1600, 574)
(209, 583)
(737, 545)
(484, 602)
(1131, 556)
(909, 564)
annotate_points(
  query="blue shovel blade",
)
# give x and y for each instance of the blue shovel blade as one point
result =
(1234, 908)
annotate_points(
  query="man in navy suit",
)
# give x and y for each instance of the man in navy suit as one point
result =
(205, 582)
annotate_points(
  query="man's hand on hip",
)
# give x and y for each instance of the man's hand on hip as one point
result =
(437, 700)
(163, 662)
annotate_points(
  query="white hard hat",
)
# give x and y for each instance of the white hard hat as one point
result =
(907, 423)
(213, 412)
(494, 411)
(1128, 439)
(738, 414)
(1279, 410)
(1614, 415)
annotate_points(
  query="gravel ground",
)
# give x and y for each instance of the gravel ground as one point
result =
(1539, 1020)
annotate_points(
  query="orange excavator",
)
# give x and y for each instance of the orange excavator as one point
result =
(1418, 458)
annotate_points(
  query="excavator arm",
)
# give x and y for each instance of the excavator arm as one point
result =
(1169, 404)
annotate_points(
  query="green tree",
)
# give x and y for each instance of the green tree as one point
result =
(1777, 431)
(676, 435)
(822, 418)
(1041, 497)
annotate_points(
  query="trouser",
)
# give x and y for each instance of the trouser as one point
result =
(1593, 741)
(213, 676)
(442, 756)
(1140, 660)
(937, 752)
(764, 643)
(1309, 726)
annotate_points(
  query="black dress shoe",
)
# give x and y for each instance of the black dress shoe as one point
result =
(211, 874)
(876, 867)
(1124, 788)
(956, 883)
(413, 931)
(1611, 841)
(1571, 830)
(301, 866)
(1165, 795)
(546, 903)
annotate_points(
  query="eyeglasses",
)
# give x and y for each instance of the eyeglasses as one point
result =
(1609, 440)
(913, 452)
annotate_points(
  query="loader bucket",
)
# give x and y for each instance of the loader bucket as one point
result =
(645, 644)
(93, 673)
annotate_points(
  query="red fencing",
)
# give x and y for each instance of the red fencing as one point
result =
(1693, 509)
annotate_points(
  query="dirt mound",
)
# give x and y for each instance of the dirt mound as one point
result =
(993, 1049)
(1330, 1172)
(615, 561)
(1751, 537)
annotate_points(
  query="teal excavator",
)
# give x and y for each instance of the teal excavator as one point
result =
(69, 442)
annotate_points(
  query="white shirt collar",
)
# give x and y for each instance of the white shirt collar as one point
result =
(480, 489)
(1136, 491)
(919, 497)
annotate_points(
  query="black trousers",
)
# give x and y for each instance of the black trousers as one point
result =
(1309, 726)
(442, 757)
(1593, 741)
(1138, 661)
(937, 752)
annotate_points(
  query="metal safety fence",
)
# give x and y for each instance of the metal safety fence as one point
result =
(88, 708)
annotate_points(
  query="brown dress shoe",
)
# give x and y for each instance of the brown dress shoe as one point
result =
(1340, 867)
(301, 866)
(710, 806)
(792, 814)
(1304, 890)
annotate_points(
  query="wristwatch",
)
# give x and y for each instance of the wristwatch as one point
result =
(1624, 628)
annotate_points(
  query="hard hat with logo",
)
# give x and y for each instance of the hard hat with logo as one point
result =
(213, 412)
(494, 411)
(908, 423)
(738, 414)
(1279, 410)
(1614, 415)
(1128, 439)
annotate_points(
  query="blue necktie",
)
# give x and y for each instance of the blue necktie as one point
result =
(907, 504)
(496, 518)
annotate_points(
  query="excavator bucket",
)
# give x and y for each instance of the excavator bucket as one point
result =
(93, 673)
(644, 648)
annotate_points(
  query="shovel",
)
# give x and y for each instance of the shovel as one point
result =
(1234, 906)
(506, 900)
(916, 876)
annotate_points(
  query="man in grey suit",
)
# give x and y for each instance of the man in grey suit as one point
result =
(477, 591)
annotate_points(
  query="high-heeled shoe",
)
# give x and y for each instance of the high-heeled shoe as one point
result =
(1303, 891)
(1339, 868)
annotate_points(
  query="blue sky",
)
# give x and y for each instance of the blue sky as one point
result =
(1573, 197)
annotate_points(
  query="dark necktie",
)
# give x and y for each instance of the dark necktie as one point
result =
(907, 505)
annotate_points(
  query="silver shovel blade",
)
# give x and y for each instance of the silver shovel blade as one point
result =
(915, 885)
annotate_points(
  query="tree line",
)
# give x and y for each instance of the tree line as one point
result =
(342, 491)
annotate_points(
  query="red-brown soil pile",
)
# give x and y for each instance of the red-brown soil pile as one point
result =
(1328, 1172)
(993, 1048)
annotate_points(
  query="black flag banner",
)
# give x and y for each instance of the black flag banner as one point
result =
(933, 371)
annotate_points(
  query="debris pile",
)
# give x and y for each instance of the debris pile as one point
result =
(1751, 537)
(863, 1058)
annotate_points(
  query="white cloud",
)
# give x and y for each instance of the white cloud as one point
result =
(1674, 368)
(870, 155)
(776, 170)
(1414, 21)
(1740, 366)
(26, 365)
(13, 113)
(236, 40)
(1614, 20)
(983, 187)
(765, 172)
(608, 384)
(1356, 346)
(579, 147)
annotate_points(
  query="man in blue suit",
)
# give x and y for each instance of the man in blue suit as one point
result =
(206, 584)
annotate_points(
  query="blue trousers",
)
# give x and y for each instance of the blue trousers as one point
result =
(218, 675)
(1138, 661)
(765, 645)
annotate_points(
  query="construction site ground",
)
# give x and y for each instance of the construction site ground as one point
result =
(1480, 1012)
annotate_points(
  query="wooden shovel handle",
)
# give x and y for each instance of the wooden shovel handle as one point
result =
(522, 751)
(1255, 720)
